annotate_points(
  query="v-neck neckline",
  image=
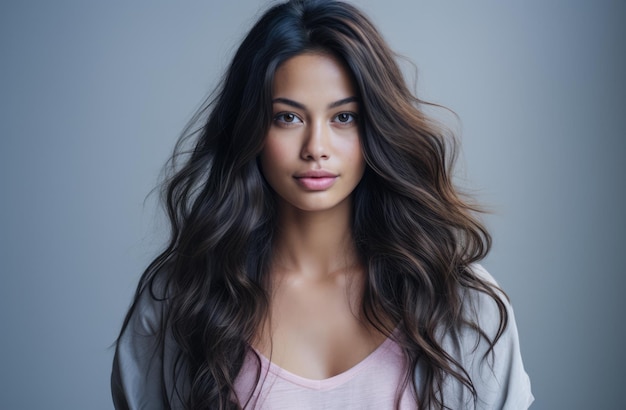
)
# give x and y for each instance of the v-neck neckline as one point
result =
(330, 382)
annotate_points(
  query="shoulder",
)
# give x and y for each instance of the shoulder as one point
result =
(144, 320)
(498, 374)
(488, 311)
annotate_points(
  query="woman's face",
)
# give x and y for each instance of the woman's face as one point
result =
(312, 155)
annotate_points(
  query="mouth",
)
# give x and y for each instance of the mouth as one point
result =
(316, 180)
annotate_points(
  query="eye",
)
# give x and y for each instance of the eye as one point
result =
(287, 118)
(345, 117)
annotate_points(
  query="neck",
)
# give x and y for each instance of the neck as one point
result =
(315, 243)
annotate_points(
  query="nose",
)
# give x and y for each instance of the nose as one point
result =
(316, 143)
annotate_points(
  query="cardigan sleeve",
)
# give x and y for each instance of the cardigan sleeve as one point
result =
(499, 378)
(141, 373)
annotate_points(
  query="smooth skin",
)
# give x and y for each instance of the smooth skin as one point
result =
(312, 159)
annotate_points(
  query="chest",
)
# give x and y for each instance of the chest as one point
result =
(316, 330)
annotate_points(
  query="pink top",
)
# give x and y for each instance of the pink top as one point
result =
(371, 384)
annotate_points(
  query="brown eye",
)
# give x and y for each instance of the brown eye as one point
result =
(345, 117)
(287, 118)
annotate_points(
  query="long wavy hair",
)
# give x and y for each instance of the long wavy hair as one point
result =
(414, 233)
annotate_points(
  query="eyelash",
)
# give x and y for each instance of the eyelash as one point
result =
(280, 118)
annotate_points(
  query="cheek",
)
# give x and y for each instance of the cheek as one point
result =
(273, 156)
(353, 154)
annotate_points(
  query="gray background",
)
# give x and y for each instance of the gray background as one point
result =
(93, 96)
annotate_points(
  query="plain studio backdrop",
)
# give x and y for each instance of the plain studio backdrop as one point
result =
(93, 97)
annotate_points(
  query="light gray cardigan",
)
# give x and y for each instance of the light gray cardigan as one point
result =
(141, 378)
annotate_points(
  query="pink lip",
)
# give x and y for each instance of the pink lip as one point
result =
(316, 180)
(315, 173)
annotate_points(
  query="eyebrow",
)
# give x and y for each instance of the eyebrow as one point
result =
(300, 106)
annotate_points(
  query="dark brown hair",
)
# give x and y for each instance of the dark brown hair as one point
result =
(414, 233)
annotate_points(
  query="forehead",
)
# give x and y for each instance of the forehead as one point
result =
(313, 76)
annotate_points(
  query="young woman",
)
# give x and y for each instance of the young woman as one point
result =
(320, 256)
